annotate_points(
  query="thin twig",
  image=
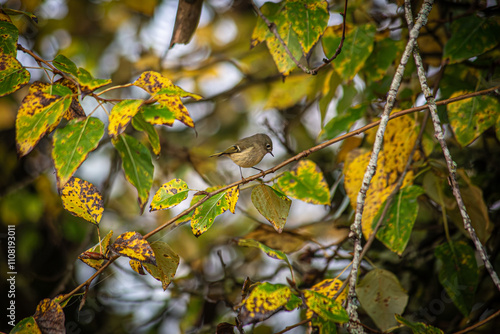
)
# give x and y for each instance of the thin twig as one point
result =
(479, 324)
(288, 328)
(339, 48)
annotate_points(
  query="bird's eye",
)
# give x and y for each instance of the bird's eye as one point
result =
(268, 146)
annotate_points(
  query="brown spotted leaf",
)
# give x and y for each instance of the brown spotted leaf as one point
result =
(40, 112)
(49, 317)
(264, 300)
(170, 194)
(326, 308)
(76, 109)
(87, 81)
(167, 94)
(272, 204)
(306, 182)
(232, 195)
(470, 118)
(134, 246)
(167, 262)
(381, 296)
(157, 114)
(82, 199)
(26, 326)
(137, 267)
(204, 215)
(13, 75)
(121, 115)
(8, 36)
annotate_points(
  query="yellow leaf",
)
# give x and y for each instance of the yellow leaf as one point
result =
(82, 199)
(121, 115)
(134, 246)
(399, 139)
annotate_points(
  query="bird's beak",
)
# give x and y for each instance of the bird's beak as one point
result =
(271, 153)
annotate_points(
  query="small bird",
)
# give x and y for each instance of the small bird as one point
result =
(249, 151)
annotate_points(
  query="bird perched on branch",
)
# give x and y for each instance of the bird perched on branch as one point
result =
(249, 151)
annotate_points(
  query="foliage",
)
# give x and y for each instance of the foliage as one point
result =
(95, 119)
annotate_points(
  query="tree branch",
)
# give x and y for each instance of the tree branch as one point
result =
(452, 166)
(353, 325)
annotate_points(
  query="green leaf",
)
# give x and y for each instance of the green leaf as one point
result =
(309, 19)
(287, 94)
(170, 194)
(264, 300)
(167, 262)
(384, 54)
(204, 215)
(418, 327)
(72, 145)
(82, 199)
(381, 295)
(40, 112)
(305, 182)
(87, 81)
(275, 254)
(137, 165)
(471, 36)
(11, 12)
(66, 65)
(13, 75)
(470, 118)
(157, 114)
(458, 273)
(342, 123)
(398, 223)
(140, 124)
(272, 204)
(8, 38)
(121, 115)
(26, 326)
(261, 32)
(325, 307)
(358, 45)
